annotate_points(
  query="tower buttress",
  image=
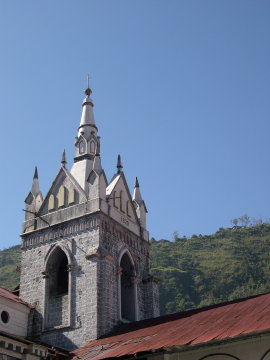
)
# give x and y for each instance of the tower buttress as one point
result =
(139, 204)
(33, 202)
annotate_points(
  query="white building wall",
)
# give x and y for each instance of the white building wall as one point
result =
(18, 317)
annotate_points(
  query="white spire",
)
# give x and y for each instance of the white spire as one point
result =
(137, 192)
(86, 143)
(87, 118)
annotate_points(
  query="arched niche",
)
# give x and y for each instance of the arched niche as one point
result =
(57, 289)
(128, 290)
(266, 355)
(116, 198)
(82, 146)
(51, 203)
(122, 201)
(61, 196)
(129, 209)
(219, 356)
(92, 147)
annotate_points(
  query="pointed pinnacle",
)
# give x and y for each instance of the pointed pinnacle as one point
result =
(136, 184)
(63, 161)
(35, 173)
(119, 164)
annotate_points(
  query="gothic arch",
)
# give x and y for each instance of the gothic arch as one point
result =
(219, 356)
(65, 249)
(57, 287)
(127, 287)
(266, 355)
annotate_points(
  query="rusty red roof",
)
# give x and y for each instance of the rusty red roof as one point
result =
(187, 328)
(9, 295)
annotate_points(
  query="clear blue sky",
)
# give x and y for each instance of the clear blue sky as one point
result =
(181, 89)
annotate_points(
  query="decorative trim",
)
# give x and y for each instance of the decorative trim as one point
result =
(93, 125)
(98, 256)
(45, 274)
(69, 267)
(59, 232)
(82, 157)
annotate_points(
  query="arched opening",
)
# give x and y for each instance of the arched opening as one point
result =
(127, 289)
(122, 201)
(57, 285)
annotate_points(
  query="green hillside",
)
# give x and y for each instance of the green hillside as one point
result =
(9, 267)
(202, 270)
(196, 271)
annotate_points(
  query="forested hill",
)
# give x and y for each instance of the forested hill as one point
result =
(201, 270)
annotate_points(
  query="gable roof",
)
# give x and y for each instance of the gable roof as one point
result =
(65, 172)
(10, 296)
(188, 328)
(112, 184)
(114, 181)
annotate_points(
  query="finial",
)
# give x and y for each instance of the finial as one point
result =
(35, 173)
(136, 184)
(64, 161)
(119, 164)
(88, 91)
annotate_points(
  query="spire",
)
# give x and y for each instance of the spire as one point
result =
(87, 118)
(137, 192)
(35, 186)
(86, 142)
(63, 160)
(136, 183)
(119, 164)
(35, 173)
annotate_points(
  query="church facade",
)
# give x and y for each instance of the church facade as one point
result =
(85, 249)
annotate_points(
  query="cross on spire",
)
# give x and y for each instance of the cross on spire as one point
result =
(88, 91)
(88, 77)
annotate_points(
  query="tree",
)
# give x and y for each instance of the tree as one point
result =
(245, 220)
(234, 221)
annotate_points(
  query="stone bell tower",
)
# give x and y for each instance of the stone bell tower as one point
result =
(85, 249)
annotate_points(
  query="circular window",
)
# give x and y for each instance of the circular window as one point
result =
(5, 317)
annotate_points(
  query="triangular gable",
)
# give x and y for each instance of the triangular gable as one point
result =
(58, 181)
(29, 198)
(99, 174)
(112, 184)
(119, 183)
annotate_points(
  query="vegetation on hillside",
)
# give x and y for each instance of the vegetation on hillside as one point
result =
(197, 271)
(229, 264)
(9, 267)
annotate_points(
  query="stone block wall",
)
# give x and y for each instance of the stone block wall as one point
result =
(93, 245)
(58, 311)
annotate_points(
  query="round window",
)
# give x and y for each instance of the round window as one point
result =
(5, 317)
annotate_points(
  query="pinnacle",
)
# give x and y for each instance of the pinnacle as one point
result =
(119, 164)
(63, 160)
(35, 173)
(136, 184)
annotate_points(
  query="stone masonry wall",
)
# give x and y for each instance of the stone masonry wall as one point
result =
(93, 245)
(58, 311)
(82, 289)
(114, 240)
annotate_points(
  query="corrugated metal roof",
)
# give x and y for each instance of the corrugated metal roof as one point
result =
(216, 322)
(9, 295)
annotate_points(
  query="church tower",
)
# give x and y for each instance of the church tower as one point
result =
(85, 249)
